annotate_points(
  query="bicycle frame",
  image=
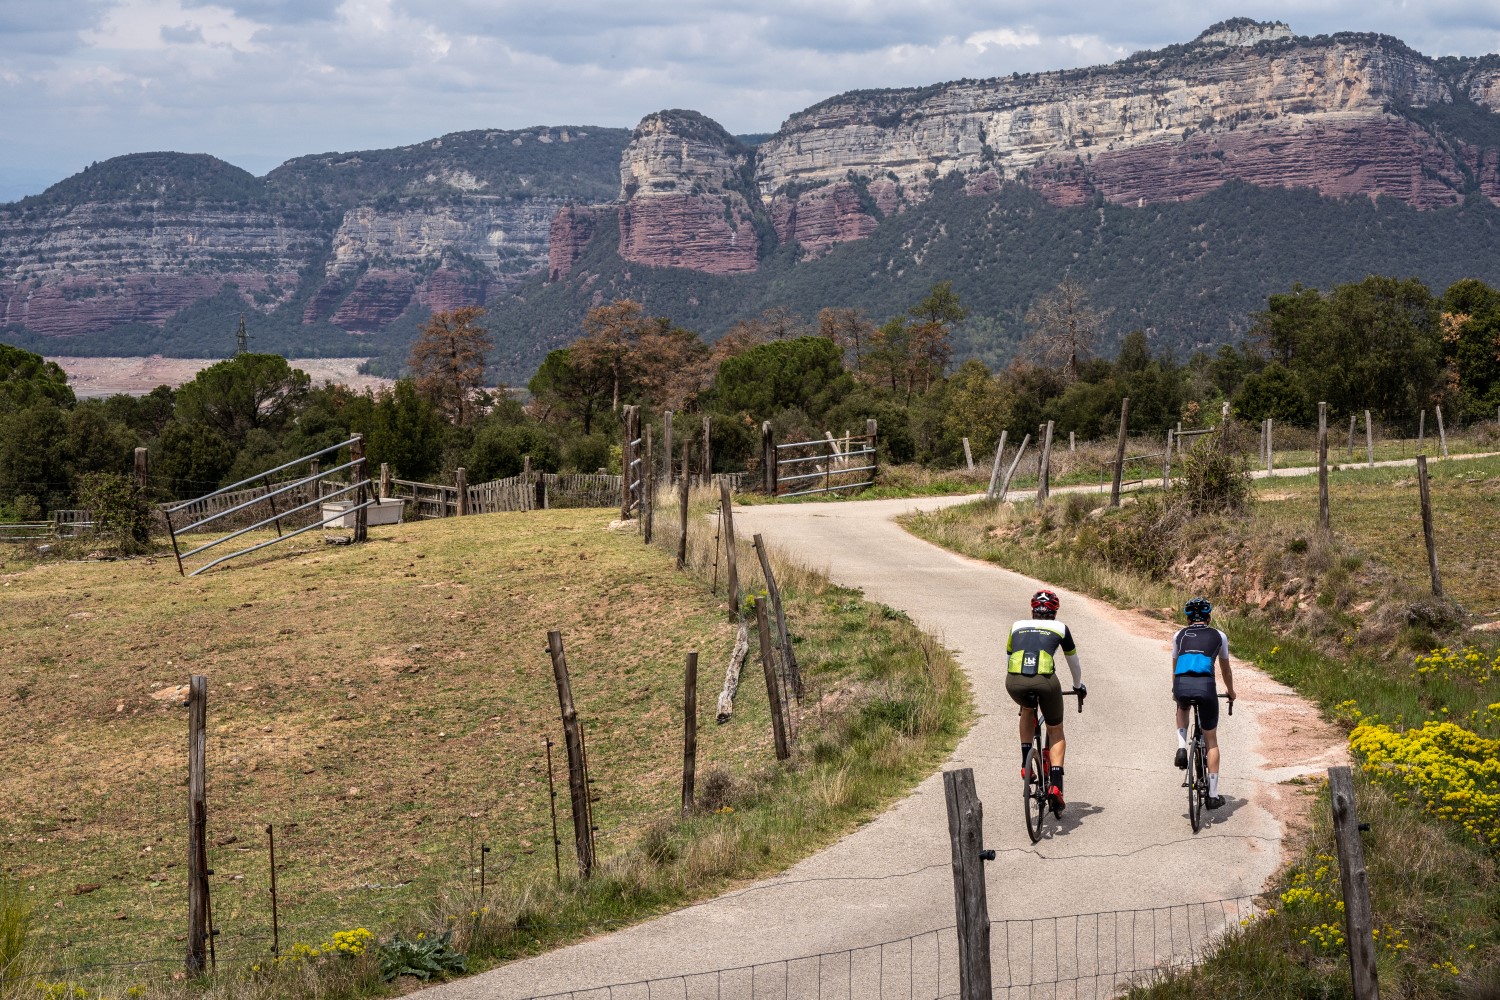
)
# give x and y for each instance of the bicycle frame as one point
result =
(1035, 799)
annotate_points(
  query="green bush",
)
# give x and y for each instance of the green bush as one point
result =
(122, 512)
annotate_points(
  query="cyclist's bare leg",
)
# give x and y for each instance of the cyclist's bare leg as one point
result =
(1028, 724)
(1182, 717)
(1211, 740)
(1059, 745)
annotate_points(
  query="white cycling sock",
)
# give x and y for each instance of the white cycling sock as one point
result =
(1213, 785)
(1181, 738)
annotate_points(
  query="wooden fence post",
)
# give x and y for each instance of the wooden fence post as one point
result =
(1114, 489)
(1011, 470)
(995, 471)
(541, 491)
(1166, 466)
(666, 445)
(773, 689)
(1323, 467)
(461, 490)
(1369, 441)
(1427, 533)
(768, 457)
(141, 468)
(731, 561)
(689, 730)
(708, 453)
(1358, 921)
(583, 836)
(1072, 443)
(1179, 437)
(648, 488)
(968, 455)
(682, 512)
(871, 428)
(1442, 432)
(198, 902)
(314, 468)
(360, 475)
(1044, 478)
(966, 834)
(788, 655)
(1421, 427)
(1352, 418)
(1270, 446)
(385, 480)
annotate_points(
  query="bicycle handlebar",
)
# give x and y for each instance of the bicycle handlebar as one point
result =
(1081, 695)
(1231, 702)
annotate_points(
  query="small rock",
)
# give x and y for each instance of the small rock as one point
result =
(1363, 607)
(1485, 627)
(177, 693)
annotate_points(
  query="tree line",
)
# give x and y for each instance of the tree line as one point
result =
(1388, 345)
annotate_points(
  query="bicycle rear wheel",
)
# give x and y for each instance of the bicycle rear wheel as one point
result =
(1034, 792)
(1197, 782)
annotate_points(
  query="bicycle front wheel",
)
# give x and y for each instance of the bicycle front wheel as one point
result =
(1034, 793)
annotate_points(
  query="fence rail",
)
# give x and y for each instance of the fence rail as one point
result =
(845, 463)
(1095, 955)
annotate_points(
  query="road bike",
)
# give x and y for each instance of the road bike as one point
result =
(1196, 779)
(1035, 779)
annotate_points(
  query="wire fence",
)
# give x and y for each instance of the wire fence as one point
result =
(1093, 955)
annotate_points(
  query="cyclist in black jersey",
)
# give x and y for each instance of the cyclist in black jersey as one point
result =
(1195, 651)
(1031, 670)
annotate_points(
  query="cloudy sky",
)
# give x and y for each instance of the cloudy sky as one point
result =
(259, 81)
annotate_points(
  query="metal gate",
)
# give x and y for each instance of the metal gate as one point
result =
(827, 466)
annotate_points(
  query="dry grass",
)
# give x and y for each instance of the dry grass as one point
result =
(385, 707)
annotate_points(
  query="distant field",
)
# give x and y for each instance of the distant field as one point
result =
(92, 377)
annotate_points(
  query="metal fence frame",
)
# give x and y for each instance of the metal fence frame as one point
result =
(834, 459)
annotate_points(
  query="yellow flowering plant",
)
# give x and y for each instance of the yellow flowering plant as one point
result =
(1441, 768)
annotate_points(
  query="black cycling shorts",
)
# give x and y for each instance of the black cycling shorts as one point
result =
(1047, 689)
(1188, 688)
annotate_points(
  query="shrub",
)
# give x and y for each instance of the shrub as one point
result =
(121, 509)
(1441, 768)
(1213, 478)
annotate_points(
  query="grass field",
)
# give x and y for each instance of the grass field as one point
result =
(385, 706)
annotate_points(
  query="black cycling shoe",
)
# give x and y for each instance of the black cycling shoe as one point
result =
(1214, 801)
(1181, 759)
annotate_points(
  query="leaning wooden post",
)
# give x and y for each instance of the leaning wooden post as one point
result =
(1323, 467)
(773, 689)
(583, 837)
(1369, 441)
(1044, 478)
(1427, 533)
(968, 455)
(197, 934)
(361, 476)
(966, 835)
(689, 730)
(1358, 920)
(1011, 471)
(788, 655)
(995, 470)
(1442, 432)
(730, 561)
(142, 461)
(682, 512)
(1114, 489)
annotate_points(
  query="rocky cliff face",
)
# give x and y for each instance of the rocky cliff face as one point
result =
(1245, 101)
(68, 270)
(685, 198)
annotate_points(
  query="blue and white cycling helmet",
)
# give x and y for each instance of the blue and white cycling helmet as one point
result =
(1197, 610)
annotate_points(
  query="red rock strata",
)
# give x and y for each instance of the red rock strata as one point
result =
(690, 231)
(69, 307)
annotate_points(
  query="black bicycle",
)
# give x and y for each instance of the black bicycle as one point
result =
(1034, 777)
(1196, 779)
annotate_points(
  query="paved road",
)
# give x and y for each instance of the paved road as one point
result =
(1125, 843)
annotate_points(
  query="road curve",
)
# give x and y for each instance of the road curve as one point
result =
(1124, 843)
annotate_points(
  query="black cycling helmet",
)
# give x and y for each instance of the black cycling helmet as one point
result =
(1197, 610)
(1044, 604)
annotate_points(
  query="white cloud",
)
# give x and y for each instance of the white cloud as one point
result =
(1008, 38)
(152, 25)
